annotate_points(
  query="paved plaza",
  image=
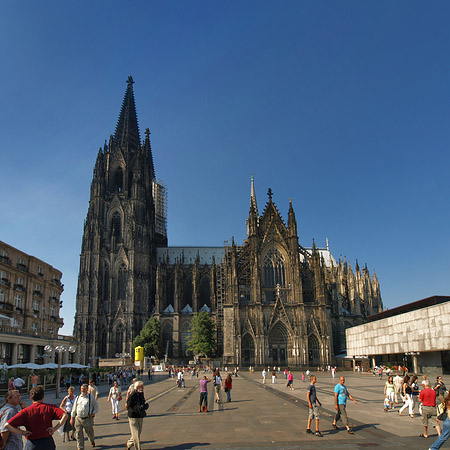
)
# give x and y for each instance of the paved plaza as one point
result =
(259, 417)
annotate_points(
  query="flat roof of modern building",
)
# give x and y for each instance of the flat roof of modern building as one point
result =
(414, 306)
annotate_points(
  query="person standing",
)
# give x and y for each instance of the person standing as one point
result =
(428, 398)
(92, 389)
(445, 419)
(204, 394)
(19, 384)
(340, 400)
(264, 374)
(37, 419)
(114, 396)
(314, 407)
(274, 376)
(67, 405)
(398, 387)
(228, 387)
(290, 383)
(217, 386)
(83, 412)
(136, 406)
(10, 441)
(34, 379)
(389, 391)
(440, 389)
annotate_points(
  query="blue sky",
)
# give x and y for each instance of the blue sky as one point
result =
(343, 106)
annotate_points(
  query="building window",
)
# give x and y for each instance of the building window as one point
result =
(40, 272)
(15, 323)
(4, 254)
(274, 269)
(52, 311)
(3, 275)
(118, 180)
(116, 226)
(54, 295)
(18, 301)
(37, 287)
(50, 330)
(36, 306)
(2, 296)
(34, 327)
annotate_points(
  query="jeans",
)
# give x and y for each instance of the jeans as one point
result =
(229, 395)
(444, 435)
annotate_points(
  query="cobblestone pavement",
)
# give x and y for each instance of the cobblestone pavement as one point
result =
(259, 417)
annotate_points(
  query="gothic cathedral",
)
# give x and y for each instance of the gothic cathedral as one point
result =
(273, 301)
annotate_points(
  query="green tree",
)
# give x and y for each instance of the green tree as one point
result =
(203, 336)
(150, 338)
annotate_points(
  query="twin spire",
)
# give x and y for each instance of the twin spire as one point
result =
(127, 129)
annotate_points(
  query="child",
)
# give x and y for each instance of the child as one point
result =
(386, 404)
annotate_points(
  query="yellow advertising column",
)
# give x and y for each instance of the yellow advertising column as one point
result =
(139, 359)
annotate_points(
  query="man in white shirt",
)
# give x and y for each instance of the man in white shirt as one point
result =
(19, 384)
(83, 413)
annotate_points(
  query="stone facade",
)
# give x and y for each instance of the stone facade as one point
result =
(30, 291)
(273, 300)
(420, 335)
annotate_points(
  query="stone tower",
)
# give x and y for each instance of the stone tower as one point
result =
(116, 281)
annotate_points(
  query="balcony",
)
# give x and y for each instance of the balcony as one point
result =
(19, 287)
(40, 275)
(52, 298)
(22, 267)
(5, 260)
(56, 282)
(19, 310)
(5, 282)
(6, 307)
(37, 293)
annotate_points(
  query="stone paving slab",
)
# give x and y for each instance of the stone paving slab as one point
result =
(259, 417)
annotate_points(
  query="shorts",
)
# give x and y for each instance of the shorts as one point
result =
(427, 413)
(314, 413)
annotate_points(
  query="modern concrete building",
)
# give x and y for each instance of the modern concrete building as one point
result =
(416, 335)
(30, 304)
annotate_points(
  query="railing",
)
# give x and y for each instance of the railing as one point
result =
(5, 282)
(5, 260)
(6, 307)
(22, 267)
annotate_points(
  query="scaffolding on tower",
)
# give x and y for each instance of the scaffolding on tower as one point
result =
(160, 201)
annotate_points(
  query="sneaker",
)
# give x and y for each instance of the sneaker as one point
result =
(319, 434)
(308, 431)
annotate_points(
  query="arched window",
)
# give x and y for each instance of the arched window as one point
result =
(205, 292)
(120, 339)
(187, 292)
(106, 284)
(274, 268)
(118, 180)
(123, 278)
(116, 226)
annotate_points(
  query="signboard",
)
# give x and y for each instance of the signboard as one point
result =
(115, 362)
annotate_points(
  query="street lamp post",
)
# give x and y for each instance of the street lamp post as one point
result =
(59, 350)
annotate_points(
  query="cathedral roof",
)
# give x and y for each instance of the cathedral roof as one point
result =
(127, 129)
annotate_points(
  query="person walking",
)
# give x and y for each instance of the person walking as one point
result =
(38, 420)
(440, 389)
(290, 383)
(314, 407)
(203, 405)
(340, 400)
(67, 405)
(398, 387)
(217, 386)
(445, 419)
(82, 416)
(389, 391)
(407, 392)
(415, 395)
(19, 384)
(12, 406)
(428, 398)
(264, 374)
(228, 387)
(114, 396)
(136, 407)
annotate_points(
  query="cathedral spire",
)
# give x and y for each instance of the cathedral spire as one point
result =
(292, 222)
(147, 149)
(253, 204)
(127, 129)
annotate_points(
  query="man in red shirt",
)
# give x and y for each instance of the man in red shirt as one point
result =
(37, 419)
(428, 398)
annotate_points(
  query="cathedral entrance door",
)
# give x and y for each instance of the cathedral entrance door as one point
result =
(278, 344)
(248, 350)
